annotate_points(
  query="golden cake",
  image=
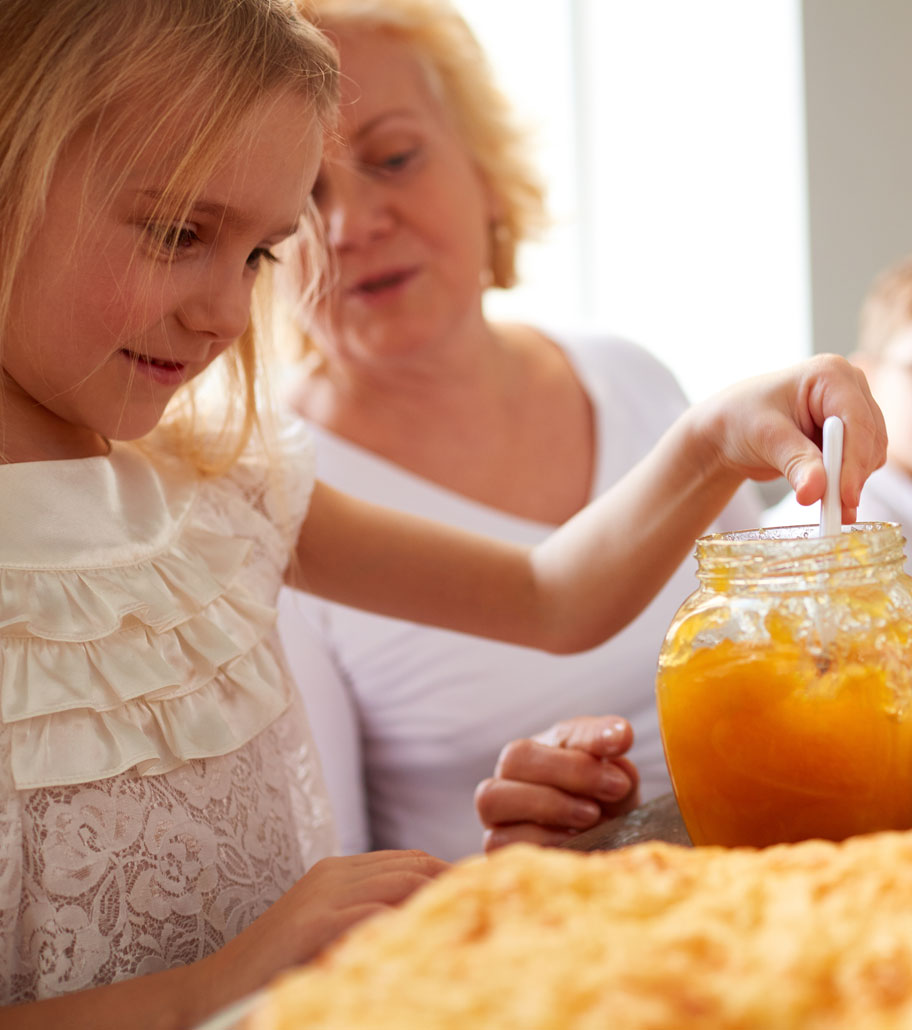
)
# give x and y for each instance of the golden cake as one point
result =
(810, 936)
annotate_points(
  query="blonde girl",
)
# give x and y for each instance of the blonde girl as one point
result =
(163, 826)
(158, 790)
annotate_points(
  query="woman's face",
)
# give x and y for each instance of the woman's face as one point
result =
(406, 212)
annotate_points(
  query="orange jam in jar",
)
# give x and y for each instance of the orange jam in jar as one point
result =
(784, 687)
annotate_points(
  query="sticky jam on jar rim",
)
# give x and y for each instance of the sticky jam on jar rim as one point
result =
(785, 688)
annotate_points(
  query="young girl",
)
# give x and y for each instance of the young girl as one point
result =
(160, 800)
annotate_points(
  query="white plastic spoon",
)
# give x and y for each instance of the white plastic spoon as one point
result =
(831, 505)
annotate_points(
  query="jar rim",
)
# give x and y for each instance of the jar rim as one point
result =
(748, 539)
(799, 551)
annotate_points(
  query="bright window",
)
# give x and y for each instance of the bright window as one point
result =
(672, 138)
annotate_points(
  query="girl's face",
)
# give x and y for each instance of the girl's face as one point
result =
(406, 211)
(106, 325)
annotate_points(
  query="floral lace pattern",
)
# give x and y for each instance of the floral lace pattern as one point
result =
(131, 874)
(158, 865)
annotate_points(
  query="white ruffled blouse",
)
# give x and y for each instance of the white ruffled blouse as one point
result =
(158, 785)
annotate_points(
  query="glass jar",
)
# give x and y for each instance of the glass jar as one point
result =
(784, 687)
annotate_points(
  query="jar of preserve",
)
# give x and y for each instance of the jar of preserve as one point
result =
(784, 687)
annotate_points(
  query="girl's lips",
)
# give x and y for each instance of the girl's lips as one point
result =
(159, 370)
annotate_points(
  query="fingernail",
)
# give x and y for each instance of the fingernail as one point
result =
(614, 729)
(613, 735)
(584, 813)
(613, 784)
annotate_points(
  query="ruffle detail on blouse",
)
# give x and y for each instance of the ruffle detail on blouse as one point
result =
(143, 666)
(82, 605)
(152, 734)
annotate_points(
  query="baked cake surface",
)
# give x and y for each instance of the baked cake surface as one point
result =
(810, 936)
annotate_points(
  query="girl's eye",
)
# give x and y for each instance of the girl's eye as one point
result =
(171, 238)
(177, 237)
(259, 254)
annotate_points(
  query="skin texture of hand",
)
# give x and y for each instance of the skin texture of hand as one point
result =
(775, 422)
(336, 894)
(548, 788)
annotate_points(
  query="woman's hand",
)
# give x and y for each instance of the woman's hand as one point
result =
(548, 788)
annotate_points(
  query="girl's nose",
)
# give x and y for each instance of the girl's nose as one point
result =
(220, 306)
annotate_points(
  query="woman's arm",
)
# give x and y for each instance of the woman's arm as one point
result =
(595, 573)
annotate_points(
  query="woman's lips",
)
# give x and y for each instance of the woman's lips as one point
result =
(384, 285)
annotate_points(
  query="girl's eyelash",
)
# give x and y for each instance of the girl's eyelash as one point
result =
(259, 254)
(171, 238)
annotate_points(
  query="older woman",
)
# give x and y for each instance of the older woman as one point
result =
(418, 401)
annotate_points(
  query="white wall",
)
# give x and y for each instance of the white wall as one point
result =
(673, 133)
(858, 71)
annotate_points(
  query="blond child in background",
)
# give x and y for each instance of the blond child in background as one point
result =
(163, 820)
(884, 354)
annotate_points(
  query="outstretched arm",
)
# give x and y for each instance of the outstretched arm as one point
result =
(598, 571)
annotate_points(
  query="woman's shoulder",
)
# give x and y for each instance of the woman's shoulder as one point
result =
(621, 374)
(618, 356)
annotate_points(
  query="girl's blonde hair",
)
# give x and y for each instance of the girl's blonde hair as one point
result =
(887, 309)
(458, 71)
(119, 70)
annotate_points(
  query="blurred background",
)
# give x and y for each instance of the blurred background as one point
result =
(726, 177)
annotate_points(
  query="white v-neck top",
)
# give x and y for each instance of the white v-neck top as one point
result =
(409, 718)
(158, 784)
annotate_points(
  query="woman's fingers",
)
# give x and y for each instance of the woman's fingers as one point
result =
(500, 802)
(564, 780)
(602, 735)
(525, 833)
(567, 769)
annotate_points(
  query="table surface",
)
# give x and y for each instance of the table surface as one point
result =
(659, 819)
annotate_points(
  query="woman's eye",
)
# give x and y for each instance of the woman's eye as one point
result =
(258, 255)
(396, 161)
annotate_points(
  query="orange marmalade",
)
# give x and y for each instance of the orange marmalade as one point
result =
(785, 687)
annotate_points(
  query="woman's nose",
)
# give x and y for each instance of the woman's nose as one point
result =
(355, 211)
(220, 305)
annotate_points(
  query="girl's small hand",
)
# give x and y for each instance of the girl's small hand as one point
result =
(773, 424)
(334, 895)
(548, 788)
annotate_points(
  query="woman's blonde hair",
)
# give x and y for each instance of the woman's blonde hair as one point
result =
(458, 71)
(119, 70)
(887, 309)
